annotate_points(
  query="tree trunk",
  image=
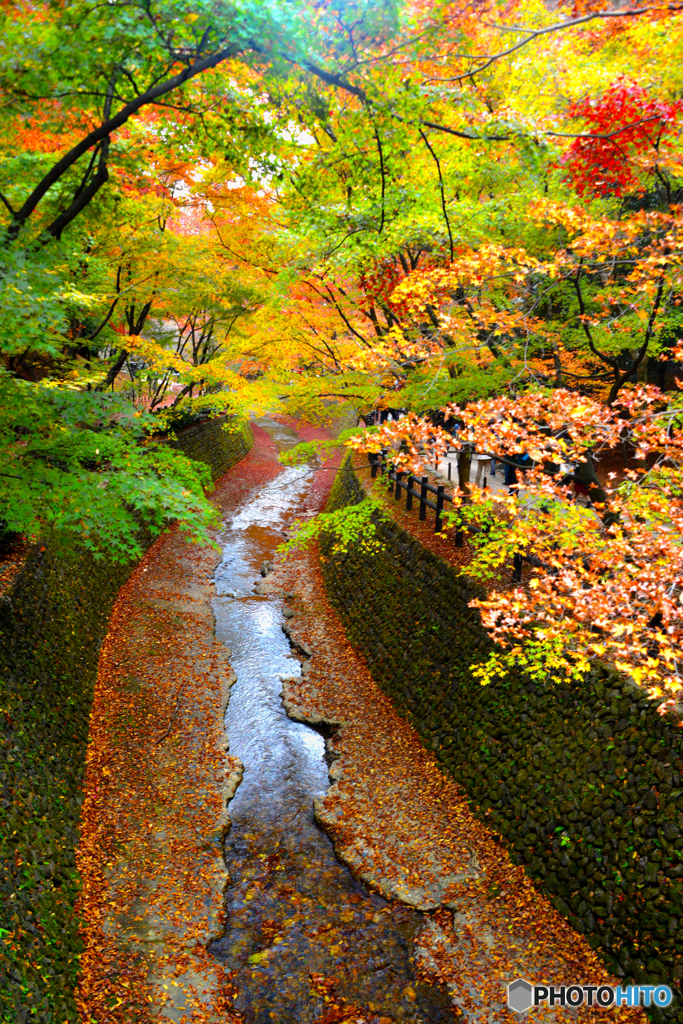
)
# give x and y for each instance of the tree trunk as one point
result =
(585, 474)
(114, 371)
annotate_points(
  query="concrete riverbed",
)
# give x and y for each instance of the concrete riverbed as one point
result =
(263, 838)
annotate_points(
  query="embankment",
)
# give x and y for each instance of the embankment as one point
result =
(52, 622)
(583, 782)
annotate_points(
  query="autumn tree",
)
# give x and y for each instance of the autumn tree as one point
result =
(95, 100)
(196, 314)
(607, 580)
(552, 272)
(391, 142)
(425, 161)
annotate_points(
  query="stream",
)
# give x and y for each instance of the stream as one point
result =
(302, 934)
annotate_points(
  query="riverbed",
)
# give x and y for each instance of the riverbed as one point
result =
(302, 934)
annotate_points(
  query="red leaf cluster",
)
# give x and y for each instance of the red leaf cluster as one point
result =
(626, 124)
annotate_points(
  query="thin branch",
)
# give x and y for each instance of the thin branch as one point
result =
(103, 324)
(472, 136)
(586, 329)
(441, 189)
(173, 714)
(339, 310)
(558, 27)
(381, 168)
(88, 171)
(635, 363)
(607, 135)
(7, 204)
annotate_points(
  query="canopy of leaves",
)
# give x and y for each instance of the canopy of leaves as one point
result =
(76, 464)
(466, 211)
(607, 580)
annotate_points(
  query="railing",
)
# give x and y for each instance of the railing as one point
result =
(401, 481)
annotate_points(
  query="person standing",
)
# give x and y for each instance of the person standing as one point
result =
(511, 478)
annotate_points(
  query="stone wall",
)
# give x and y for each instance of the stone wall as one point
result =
(220, 442)
(583, 782)
(51, 625)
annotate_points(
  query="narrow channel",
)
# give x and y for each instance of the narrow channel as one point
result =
(302, 933)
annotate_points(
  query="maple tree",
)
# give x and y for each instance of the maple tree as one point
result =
(110, 96)
(66, 468)
(607, 579)
(177, 348)
(338, 206)
(615, 284)
(549, 256)
(632, 133)
(468, 211)
(421, 162)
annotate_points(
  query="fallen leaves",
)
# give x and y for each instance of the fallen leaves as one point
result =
(150, 855)
(407, 830)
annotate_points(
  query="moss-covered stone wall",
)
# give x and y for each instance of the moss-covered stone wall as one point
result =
(583, 782)
(51, 625)
(220, 442)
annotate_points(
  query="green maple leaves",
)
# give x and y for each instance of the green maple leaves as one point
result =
(74, 464)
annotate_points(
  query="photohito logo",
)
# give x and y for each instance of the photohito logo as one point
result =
(522, 995)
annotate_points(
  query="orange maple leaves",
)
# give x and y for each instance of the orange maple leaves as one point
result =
(608, 579)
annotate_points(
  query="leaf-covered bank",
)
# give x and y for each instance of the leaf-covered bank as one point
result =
(405, 828)
(157, 780)
(52, 622)
(583, 782)
(218, 442)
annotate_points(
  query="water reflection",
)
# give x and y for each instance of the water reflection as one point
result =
(302, 934)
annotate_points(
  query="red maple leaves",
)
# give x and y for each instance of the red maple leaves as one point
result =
(627, 130)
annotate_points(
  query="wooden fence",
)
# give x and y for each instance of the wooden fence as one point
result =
(419, 488)
(414, 487)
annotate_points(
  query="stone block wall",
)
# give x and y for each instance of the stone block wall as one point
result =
(583, 782)
(219, 442)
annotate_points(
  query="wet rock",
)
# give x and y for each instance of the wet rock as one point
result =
(232, 782)
(267, 589)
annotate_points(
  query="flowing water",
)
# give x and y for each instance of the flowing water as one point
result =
(302, 935)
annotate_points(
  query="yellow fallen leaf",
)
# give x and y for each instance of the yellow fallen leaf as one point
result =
(256, 958)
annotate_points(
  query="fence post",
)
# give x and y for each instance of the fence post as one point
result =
(458, 538)
(423, 497)
(385, 452)
(374, 463)
(517, 568)
(409, 492)
(438, 525)
(390, 477)
(399, 477)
